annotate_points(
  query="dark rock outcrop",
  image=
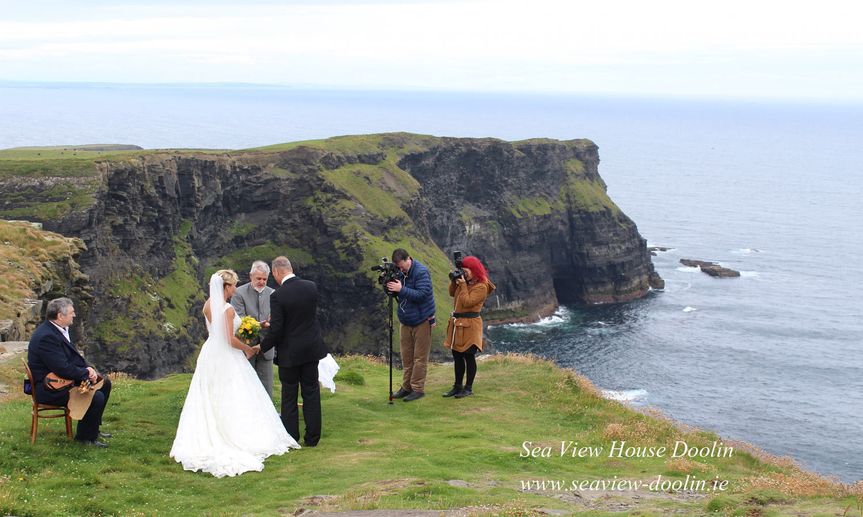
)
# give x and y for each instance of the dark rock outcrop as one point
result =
(159, 223)
(711, 268)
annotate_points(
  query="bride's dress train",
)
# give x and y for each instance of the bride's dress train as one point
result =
(228, 425)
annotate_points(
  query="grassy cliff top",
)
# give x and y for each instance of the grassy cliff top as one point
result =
(434, 453)
(72, 161)
(79, 160)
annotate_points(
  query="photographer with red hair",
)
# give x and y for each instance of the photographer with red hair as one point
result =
(464, 331)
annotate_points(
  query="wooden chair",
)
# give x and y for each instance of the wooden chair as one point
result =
(45, 410)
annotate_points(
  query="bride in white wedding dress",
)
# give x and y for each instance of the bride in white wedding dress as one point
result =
(228, 425)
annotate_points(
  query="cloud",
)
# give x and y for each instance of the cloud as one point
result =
(546, 44)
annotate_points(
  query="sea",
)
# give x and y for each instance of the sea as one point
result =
(772, 189)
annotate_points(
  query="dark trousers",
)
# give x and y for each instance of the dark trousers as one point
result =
(294, 378)
(465, 361)
(88, 427)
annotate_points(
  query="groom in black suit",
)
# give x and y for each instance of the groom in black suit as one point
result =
(296, 335)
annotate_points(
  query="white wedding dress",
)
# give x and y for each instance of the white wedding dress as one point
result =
(228, 425)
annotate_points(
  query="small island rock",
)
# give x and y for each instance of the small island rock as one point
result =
(711, 268)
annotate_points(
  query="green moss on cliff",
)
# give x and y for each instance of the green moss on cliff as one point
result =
(587, 195)
(380, 188)
(574, 166)
(154, 307)
(138, 318)
(241, 259)
(180, 288)
(50, 202)
(583, 192)
(534, 206)
(240, 228)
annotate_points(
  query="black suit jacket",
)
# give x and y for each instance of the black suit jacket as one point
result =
(294, 329)
(49, 351)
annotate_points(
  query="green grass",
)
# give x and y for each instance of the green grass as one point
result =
(401, 143)
(58, 161)
(72, 161)
(373, 455)
(349, 144)
(73, 167)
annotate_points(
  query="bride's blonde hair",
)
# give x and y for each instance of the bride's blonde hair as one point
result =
(228, 276)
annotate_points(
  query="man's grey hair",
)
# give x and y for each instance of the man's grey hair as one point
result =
(56, 307)
(260, 266)
(282, 264)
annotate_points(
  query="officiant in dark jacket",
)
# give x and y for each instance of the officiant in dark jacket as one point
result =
(296, 336)
(253, 299)
(51, 351)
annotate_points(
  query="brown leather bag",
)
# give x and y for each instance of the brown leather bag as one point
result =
(54, 382)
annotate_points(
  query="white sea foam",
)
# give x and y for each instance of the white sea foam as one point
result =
(689, 309)
(745, 251)
(544, 322)
(559, 316)
(663, 250)
(687, 269)
(625, 395)
(749, 274)
(675, 286)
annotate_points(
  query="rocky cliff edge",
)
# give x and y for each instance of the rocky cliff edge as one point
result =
(156, 224)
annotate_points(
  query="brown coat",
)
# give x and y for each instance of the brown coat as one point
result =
(461, 333)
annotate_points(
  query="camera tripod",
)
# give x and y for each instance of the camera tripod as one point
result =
(390, 327)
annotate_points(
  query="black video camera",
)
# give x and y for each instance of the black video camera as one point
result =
(457, 260)
(389, 272)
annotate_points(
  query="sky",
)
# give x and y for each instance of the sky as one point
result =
(738, 49)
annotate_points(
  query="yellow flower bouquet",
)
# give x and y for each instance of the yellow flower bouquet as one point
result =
(249, 329)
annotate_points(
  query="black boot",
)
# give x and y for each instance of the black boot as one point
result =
(456, 389)
(466, 392)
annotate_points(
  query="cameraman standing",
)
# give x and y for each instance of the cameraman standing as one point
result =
(416, 315)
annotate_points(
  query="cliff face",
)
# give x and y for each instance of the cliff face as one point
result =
(537, 212)
(36, 265)
(159, 223)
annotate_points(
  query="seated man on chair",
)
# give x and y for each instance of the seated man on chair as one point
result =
(51, 351)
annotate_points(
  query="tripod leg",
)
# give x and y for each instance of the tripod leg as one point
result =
(390, 317)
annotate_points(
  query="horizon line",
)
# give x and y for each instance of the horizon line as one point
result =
(307, 87)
